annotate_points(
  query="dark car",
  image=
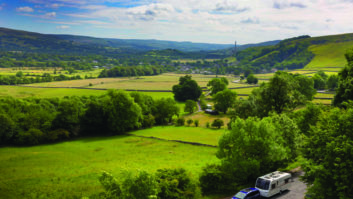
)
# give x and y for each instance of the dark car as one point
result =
(248, 193)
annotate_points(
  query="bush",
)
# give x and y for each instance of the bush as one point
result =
(213, 180)
(58, 134)
(30, 137)
(189, 122)
(196, 122)
(217, 123)
(176, 183)
(180, 121)
(207, 125)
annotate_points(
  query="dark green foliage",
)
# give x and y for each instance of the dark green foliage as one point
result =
(187, 89)
(7, 128)
(215, 180)
(143, 186)
(288, 54)
(180, 121)
(224, 100)
(217, 123)
(164, 109)
(329, 151)
(190, 106)
(262, 149)
(284, 92)
(251, 79)
(176, 184)
(207, 125)
(33, 121)
(121, 71)
(196, 123)
(119, 104)
(189, 122)
(308, 117)
(319, 81)
(332, 82)
(344, 92)
(217, 85)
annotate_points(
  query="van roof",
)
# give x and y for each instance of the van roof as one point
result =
(276, 175)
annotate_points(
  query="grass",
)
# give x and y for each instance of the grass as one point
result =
(329, 55)
(39, 71)
(204, 118)
(72, 168)
(183, 133)
(159, 82)
(22, 92)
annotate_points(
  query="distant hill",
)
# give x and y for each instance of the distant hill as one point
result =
(298, 52)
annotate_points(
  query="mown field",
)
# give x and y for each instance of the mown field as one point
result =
(68, 169)
(40, 71)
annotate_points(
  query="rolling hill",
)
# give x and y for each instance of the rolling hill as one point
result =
(300, 52)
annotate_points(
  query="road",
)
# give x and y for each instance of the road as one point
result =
(296, 191)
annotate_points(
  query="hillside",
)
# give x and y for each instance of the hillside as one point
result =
(299, 52)
(16, 40)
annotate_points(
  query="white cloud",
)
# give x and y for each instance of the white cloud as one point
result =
(62, 27)
(24, 9)
(49, 15)
(217, 21)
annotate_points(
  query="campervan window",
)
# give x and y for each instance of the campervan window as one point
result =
(262, 184)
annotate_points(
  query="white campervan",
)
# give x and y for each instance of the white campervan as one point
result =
(273, 183)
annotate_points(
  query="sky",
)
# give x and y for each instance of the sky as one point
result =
(206, 21)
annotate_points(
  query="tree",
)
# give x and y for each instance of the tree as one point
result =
(164, 109)
(177, 184)
(224, 100)
(217, 123)
(332, 82)
(217, 85)
(122, 112)
(7, 128)
(190, 106)
(261, 150)
(319, 82)
(251, 79)
(180, 121)
(187, 89)
(344, 91)
(328, 150)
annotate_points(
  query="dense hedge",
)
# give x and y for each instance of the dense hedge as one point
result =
(34, 121)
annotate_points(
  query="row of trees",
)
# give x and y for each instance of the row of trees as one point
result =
(120, 71)
(33, 121)
(46, 77)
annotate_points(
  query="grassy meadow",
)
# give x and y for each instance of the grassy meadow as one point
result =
(183, 133)
(68, 169)
(329, 55)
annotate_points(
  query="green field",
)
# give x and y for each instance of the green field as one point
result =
(329, 55)
(72, 168)
(39, 71)
(22, 92)
(189, 134)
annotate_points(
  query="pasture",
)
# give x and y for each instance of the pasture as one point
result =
(329, 55)
(69, 169)
(183, 133)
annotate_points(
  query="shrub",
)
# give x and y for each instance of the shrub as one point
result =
(189, 122)
(30, 137)
(58, 134)
(207, 125)
(180, 121)
(217, 123)
(213, 180)
(176, 183)
(196, 122)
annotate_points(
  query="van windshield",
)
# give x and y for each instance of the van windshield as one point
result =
(262, 184)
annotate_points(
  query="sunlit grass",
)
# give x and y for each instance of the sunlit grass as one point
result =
(72, 168)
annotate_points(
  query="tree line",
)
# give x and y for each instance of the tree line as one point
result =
(32, 121)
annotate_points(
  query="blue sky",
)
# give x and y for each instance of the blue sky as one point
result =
(209, 21)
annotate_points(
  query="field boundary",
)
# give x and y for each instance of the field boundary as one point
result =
(179, 141)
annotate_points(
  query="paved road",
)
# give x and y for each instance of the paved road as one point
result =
(296, 191)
